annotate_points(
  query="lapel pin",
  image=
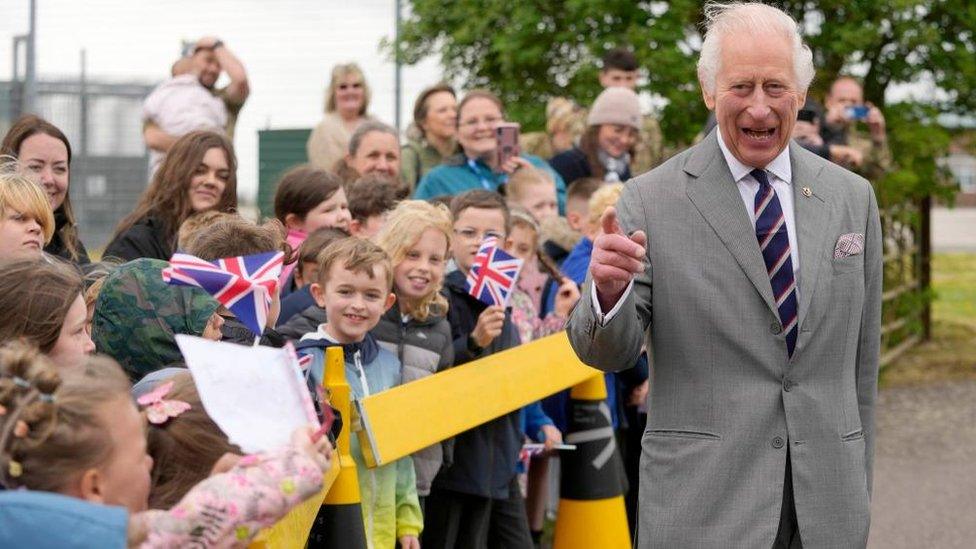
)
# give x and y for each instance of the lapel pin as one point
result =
(807, 192)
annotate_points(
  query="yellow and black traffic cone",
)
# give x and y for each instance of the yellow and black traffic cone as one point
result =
(340, 519)
(591, 503)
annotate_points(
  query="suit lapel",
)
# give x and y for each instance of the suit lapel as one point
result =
(715, 195)
(812, 219)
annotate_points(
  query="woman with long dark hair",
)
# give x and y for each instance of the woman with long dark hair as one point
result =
(43, 151)
(198, 174)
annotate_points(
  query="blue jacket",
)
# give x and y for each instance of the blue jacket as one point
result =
(43, 520)
(455, 176)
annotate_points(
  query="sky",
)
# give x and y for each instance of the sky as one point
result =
(287, 46)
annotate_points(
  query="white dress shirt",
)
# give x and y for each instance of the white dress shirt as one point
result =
(780, 175)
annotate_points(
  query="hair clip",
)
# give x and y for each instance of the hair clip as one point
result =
(21, 382)
(15, 469)
(21, 429)
(158, 409)
(46, 397)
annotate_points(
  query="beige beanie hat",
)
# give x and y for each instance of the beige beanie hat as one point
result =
(616, 105)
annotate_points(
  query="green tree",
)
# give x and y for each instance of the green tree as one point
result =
(531, 50)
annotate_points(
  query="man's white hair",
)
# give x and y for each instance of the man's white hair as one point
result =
(749, 18)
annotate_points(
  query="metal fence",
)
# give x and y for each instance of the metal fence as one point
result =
(103, 122)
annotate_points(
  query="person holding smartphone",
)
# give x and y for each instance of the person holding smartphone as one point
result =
(487, 153)
(846, 118)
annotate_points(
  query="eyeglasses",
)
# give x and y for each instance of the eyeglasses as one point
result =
(474, 234)
(355, 86)
(490, 122)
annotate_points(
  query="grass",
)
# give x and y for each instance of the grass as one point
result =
(951, 353)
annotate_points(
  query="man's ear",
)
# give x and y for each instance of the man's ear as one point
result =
(390, 300)
(89, 486)
(318, 294)
(708, 97)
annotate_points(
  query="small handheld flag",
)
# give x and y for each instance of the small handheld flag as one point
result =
(242, 284)
(493, 273)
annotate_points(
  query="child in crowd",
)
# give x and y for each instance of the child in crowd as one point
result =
(185, 447)
(42, 303)
(417, 237)
(562, 234)
(354, 285)
(306, 199)
(533, 190)
(299, 313)
(523, 242)
(195, 224)
(26, 220)
(370, 199)
(477, 499)
(233, 237)
(78, 433)
(137, 317)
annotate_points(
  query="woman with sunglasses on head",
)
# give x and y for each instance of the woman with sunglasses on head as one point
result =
(346, 103)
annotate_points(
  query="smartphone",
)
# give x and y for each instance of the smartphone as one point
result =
(806, 115)
(507, 134)
(857, 112)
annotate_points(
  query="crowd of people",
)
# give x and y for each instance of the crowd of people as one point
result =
(379, 233)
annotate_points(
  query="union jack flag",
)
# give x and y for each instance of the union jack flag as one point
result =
(242, 284)
(493, 273)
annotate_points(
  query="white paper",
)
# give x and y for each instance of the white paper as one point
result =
(256, 395)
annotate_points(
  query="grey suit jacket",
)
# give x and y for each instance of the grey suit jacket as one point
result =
(726, 402)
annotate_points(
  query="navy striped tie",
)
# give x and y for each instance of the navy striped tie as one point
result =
(774, 242)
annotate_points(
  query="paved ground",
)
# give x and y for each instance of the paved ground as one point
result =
(925, 467)
(954, 230)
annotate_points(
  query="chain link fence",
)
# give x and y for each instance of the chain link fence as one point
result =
(110, 163)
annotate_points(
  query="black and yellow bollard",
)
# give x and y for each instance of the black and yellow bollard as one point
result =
(591, 503)
(340, 520)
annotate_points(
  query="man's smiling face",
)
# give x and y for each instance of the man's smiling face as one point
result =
(756, 97)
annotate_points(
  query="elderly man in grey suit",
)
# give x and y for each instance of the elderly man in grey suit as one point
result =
(754, 269)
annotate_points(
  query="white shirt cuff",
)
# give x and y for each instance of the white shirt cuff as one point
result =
(602, 319)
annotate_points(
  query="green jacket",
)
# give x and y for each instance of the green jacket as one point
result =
(417, 157)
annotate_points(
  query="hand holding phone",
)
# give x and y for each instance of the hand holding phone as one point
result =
(507, 134)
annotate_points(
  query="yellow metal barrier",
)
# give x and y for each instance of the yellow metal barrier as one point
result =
(451, 402)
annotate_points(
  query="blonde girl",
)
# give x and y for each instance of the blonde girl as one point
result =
(26, 219)
(417, 237)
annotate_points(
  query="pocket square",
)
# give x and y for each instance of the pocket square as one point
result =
(849, 244)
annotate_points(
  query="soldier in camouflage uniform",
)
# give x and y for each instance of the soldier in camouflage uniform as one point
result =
(137, 317)
(858, 144)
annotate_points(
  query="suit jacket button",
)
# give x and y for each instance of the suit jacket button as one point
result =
(778, 442)
(788, 384)
(776, 328)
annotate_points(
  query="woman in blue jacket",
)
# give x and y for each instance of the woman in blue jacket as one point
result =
(476, 164)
